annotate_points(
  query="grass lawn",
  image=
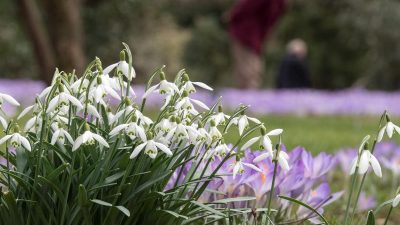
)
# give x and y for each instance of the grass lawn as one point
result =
(320, 133)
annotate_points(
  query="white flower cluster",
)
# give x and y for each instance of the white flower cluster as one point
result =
(76, 112)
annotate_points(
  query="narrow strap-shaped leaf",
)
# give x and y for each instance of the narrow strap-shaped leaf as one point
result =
(370, 218)
(305, 205)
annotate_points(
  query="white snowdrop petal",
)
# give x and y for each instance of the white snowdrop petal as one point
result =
(375, 166)
(25, 111)
(117, 129)
(25, 143)
(137, 150)
(261, 157)
(5, 138)
(275, 132)
(250, 143)
(203, 85)
(201, 104)
(252, 166)
(396, 201)
(380, 134)
(163, 148)
(150, 90)
(389, 129)
(363, 163)
(101, 140)
(283, 163)
(55, 136)
(10, 99)
(109, 68)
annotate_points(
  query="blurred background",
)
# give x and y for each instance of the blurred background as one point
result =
(351, 43)
(344, 55)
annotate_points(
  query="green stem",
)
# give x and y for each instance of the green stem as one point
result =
(388, 215)
(272, 189)
(64, 209)
(353, 182)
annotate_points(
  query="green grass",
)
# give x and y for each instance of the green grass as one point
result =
(320, 133)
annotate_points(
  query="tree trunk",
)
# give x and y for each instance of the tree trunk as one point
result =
(36, 30)
(66, 30)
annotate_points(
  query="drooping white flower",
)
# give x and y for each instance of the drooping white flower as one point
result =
(215, 134)
(16, 141)
(122, 66)
(238, 167)
(282, 158)
(222, 150)
(396, 201)
(164, 87)
(389, 127)
(60, 135)
(89, 138)
(144, 120)
(9, 99)
(189, 86)
(264, 140)
(366, 159)
(61, 100)
(186, 103)
(219, 118)
(102, 90)
(242, 122)
(150, 148)
(131, 129)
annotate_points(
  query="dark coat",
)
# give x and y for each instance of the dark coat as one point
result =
(293, 73)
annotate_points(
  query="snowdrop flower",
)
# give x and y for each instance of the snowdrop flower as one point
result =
(189, 86)
(282, 158)
(89, 138)
(222, 150)
(389, 128)
(122, 66)
(16, 141)
(214, 132)
(164, 87)
(9, 99)
(63, 99)
(363, 161)
(103, 89)
(220, 117)
(396, 201)
(238, 167)
(60, 135)
(243, 122)
(264, 140)
(150, 148)
(131, 129)
(144, 120)
(186, 103)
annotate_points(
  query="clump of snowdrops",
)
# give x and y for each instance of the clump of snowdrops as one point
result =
(88, 154)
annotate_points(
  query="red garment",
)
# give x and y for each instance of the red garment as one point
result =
(251, 21)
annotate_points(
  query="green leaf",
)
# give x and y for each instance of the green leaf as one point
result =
(101, 202)
(123, 210)
(208, 208)
(237, 199)
(82, 196)
(176, 215)
(114, 177)
(370, 218)
(305, 205)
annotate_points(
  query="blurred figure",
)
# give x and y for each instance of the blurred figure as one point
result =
(293, 71)
(250, 22)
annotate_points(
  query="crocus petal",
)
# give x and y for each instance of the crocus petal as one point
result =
(137, 150)
(375, 166)
(163, 148)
